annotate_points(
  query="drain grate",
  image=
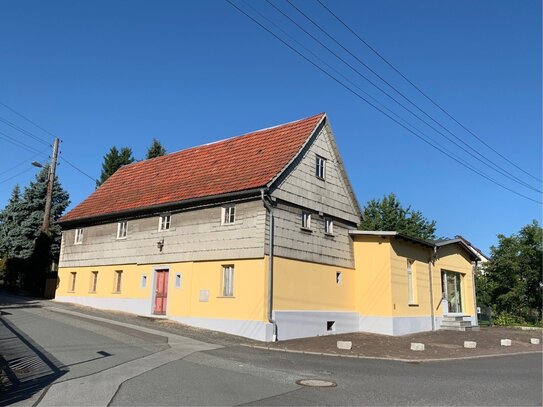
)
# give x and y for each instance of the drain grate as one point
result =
(315, 383)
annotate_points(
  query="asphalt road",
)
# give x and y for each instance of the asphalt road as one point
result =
(89, 361)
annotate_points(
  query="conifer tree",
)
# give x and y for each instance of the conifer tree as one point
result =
(10, 218)
(155, 150)
(114, 160)
(25, 217)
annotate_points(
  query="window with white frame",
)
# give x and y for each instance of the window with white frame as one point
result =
(164, 222)
(118, 281)
(411, 282)
(94, 281)
(328, 226)
(306, 220)
(228, 281)
(78, 239)
(228, 215)
(320, 167)
(72, 282)
(122, 229)
(178, 280)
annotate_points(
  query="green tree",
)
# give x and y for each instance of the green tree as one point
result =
(22, 217)
(389, 214)
(114, 160)
(155, 150)
(28, 251)
(512, 282)
(10, 219)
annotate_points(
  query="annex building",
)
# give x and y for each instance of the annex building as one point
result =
(257, 236)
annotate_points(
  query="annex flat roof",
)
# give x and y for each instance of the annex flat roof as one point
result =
(429, 243)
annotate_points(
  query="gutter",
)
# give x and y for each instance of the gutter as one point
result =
(269, 208)
(430, 263)
(157, 209)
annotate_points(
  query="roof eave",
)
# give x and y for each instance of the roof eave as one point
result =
(148, 210)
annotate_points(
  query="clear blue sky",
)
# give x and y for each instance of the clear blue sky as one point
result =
(121, 72)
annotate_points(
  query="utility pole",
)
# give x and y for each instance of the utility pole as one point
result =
(50, 182)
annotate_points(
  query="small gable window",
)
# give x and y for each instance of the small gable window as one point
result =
(78, 236)
(306, 220)
(122, 229)
(228, 215)
(164, 222)
(320, 168)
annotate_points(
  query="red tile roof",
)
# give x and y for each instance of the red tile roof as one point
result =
(236, 164)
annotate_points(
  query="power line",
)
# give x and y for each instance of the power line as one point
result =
(23, 131)
(16, 175)
(420, 132)
(27, 119)
(423, 93)
(76, 168)
(375, 107)
(21, 163)
(46, 131)
(487, 162)
(17, 143)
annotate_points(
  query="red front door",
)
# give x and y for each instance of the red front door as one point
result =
(161, 292)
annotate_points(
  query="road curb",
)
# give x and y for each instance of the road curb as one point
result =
(388, 358)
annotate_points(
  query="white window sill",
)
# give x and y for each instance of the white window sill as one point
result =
(331, 235)
(158, 232)
(226, 296)
(413, 304)
(303, 229)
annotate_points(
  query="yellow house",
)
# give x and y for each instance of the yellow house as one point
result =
(256, 236)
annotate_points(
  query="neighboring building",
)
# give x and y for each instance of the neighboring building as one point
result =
(189, 236)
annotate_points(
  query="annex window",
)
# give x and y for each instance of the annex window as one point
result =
(320, 167)
(122, 229)
(164, 222)
(228, 215)
(72, 281)
(411, 282)
(118, 281)
(94, 281)
(338, 277)
(78, 236)
(227, 281)
(328, 226)
(178, 280)
(306, 220)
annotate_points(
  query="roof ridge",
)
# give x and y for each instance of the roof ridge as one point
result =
(254, 132)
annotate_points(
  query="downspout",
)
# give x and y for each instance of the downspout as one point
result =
(432, 260)
(475, 292)
(269, 208)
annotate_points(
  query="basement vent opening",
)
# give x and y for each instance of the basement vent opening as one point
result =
(330, 326)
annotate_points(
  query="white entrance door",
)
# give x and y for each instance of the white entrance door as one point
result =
(452, 293)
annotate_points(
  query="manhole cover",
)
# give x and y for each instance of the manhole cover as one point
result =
(315, 383)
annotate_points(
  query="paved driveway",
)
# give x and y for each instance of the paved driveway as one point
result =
(85, 360)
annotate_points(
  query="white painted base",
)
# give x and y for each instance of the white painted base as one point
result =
(258, 330)
(302, 324)
(138, 306)
(395, 325)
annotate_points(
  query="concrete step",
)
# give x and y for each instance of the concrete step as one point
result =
(453, 318)
(459, 324)
(451, 328)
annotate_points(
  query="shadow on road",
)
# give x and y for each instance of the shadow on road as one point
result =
(27, 368)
